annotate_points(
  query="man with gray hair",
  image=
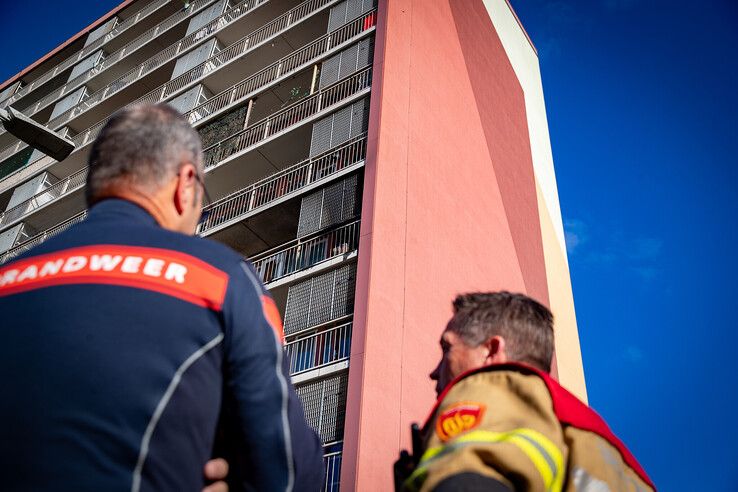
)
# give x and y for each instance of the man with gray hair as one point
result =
(128, 333)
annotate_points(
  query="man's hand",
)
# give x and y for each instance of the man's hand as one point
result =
(216, 471)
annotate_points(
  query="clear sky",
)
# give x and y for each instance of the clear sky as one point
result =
(642, 101)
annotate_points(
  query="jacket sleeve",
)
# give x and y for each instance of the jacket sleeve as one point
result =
(493, 431)
(281, 451)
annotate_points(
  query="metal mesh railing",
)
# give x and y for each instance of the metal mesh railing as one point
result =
(41, 237)
(306, 252)
(260, 194)
(319, 349)
(324, 403)
(89, 49)
(292, 115)
(71, 183)
(289, 180)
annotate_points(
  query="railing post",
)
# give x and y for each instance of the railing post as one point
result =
(252, 199)
(248, 114)
(309, 178)
(315, 79)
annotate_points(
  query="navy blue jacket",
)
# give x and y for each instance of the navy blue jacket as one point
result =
(120, 340)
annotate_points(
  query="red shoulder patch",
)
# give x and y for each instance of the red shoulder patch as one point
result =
(460, 417)
(271, 314)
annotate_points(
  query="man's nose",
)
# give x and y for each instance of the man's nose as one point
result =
(434, 375)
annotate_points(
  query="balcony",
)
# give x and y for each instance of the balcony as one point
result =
(68, 185)
(332, 467)
(236, 51)
(80, 55)
(233, 148)
(278, 71)
(145, 67)
(319, 349)
(284, 185)
(264, 79)
(253, 85)
(43, 236)
(297, 115)
(307, 252)
(168, 31)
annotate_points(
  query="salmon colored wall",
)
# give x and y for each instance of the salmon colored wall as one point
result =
(447, 209)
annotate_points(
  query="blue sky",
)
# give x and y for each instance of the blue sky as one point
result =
(642, 107)
(642, 103)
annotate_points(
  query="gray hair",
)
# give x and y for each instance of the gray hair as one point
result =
(524, 323)
(141, 147)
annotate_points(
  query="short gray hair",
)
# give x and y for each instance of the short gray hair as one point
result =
(140, 147)
(524, 323)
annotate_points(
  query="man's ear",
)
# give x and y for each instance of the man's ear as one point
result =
(497, 350)
(184, 191)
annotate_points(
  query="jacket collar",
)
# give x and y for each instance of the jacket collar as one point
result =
(120, 209)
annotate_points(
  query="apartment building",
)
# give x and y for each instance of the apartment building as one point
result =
(372, 158)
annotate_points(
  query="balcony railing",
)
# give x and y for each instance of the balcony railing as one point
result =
(258, 195)
(306, 252)
(250, 86)
(91, 48)
(283, 183)
(170, 53)
(319, 349)
(69, 184)
(227, 56)
(237, 143)
(290, 64)
(43, 236)
(246, 200)
(283, 67)
(332, 466)
(113, 58)
(293, 115)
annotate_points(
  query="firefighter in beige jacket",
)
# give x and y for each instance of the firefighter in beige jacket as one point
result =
(501, 423)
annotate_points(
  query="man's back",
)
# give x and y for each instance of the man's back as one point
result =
(119, 338)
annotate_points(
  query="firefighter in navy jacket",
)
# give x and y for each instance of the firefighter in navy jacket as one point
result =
(123, 335)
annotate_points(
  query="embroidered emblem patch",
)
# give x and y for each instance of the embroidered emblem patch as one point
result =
(459, 418)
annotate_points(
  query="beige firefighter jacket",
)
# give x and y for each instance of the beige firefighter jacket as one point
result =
(517, 426)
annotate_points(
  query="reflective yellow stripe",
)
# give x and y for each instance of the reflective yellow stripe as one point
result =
(553, 452)
(543, 453)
